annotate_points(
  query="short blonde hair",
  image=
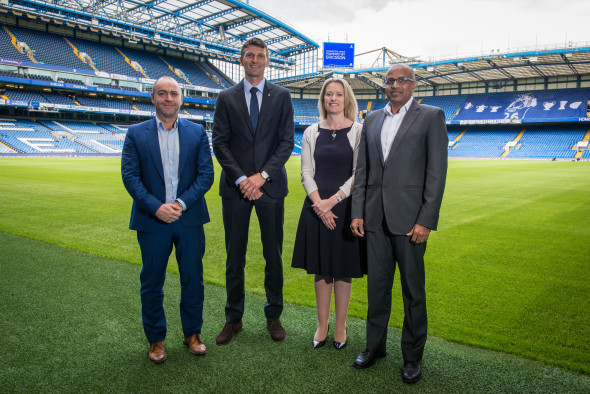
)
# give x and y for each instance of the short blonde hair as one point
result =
(350, 105)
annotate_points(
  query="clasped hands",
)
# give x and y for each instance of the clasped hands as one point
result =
(323, 208)
(250, 187)
(169, 212)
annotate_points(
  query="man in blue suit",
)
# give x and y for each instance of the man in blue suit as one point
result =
(167, 169)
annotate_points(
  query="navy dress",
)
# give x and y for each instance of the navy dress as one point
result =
(319, 250)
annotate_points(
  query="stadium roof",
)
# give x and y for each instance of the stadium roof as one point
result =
(212, 28)
(494, 69)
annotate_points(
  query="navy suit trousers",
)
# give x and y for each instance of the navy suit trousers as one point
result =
(155, 252)
(236, 219)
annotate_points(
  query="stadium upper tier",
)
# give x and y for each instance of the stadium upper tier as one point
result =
(44, 48)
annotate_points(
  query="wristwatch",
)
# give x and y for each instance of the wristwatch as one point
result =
(265, 176)
(338, 197)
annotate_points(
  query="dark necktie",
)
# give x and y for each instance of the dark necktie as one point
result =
(254, 109)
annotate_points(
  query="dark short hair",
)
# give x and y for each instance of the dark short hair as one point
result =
(256, 42)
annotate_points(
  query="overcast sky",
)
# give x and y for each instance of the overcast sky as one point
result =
(436, 28)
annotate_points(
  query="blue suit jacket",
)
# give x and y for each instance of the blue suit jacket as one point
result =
(143, 174)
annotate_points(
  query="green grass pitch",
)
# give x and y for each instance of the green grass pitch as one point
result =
(508, 269)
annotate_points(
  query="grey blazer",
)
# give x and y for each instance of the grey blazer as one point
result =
(408, 187)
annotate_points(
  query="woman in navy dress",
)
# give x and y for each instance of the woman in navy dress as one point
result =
(324, 244)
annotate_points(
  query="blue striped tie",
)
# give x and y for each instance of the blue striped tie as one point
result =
(254, 110)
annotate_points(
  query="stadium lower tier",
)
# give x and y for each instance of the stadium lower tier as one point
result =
(41, 136)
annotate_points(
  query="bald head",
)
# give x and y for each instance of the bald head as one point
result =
(166, 79)
(399, 85)
(401, 66)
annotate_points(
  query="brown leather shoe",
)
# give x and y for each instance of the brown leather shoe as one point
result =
(229, 331)
(195, 344)
(277, 332)
(157, 352)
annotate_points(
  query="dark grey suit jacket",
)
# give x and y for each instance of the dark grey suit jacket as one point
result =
(408, 187)
(242, 152)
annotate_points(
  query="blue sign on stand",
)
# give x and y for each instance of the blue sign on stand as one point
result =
(338, 55)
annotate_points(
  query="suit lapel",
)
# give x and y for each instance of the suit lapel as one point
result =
(375, 136)
(240, 98)
(182, 147)
(154, 145)
(407, 123)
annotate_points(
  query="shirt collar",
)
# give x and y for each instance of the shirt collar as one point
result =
(402, 110)
(248, 85)
(162, 128)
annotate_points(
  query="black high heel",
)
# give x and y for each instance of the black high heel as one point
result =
(319, 344)
(339, 345)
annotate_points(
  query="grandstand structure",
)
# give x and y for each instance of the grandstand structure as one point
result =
(74, 74)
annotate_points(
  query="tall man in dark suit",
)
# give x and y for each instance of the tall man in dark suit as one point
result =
(253, 136)
(167, 169)
(398, 189)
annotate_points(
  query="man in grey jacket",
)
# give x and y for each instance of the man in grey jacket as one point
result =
(398, 189)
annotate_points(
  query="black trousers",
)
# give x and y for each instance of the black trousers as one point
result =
(236, 220)
(384, 250)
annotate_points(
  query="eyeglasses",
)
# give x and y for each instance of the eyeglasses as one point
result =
(400, 80)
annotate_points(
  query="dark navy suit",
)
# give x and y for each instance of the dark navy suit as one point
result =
(143, 177)
(243, 151)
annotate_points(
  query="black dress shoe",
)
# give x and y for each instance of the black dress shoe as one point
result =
(412, 372)
(366, 359)
(318, 344)
(339, 345)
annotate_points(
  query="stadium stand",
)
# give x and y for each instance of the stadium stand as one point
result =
(198, 111)
(143, 106)
(9, 50)
(298, 137)
(24, 95)
(152, 66)
(12, 74)
(103, 103)
(56, 98)
(549, 141)
(208, 68)
(449, 104)
(195, 73)
(72, 81)
(49, 48)
(482, 141)
(558, 115)
(26, 136)
(106, 58)
(306, 110)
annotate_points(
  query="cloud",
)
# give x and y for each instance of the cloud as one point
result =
(434, 28)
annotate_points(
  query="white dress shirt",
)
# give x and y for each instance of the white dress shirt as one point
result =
(391, 126)
(170, 152)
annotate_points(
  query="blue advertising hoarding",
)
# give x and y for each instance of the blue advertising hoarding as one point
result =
(338, 54)
(525, 107)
